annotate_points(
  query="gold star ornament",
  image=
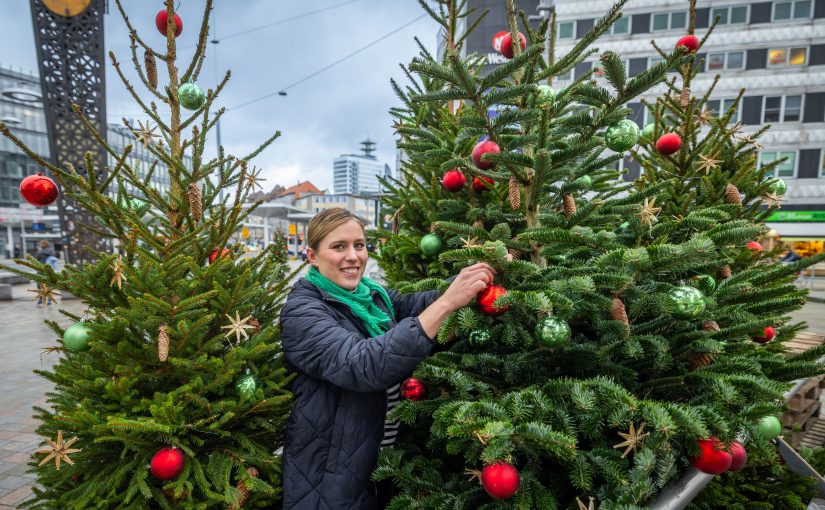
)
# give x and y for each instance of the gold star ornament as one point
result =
(633, 439)
(146, 134)
(58, 450)
(590, 506)
(238, 326)
(772, 200)
(704, 116)
(45, 294)
(708, 162)
(649, 212)
(253, 180)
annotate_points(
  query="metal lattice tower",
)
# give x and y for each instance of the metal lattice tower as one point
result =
(71, 59)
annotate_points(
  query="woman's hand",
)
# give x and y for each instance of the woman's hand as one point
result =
(469, 282)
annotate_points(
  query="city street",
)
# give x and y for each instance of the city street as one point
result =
(22, 341)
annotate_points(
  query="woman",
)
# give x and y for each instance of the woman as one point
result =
(348, 340)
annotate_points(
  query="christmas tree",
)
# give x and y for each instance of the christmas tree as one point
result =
(624, 337)
(171, 390)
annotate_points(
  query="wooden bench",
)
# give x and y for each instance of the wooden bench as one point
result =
(801, 421)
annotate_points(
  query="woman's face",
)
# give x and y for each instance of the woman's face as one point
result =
(342, 255)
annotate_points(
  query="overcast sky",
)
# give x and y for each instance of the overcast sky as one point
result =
(319, 119)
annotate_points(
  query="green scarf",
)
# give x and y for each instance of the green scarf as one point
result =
(359, 301)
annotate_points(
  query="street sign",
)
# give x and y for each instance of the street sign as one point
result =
(245, 233)
(292, 229)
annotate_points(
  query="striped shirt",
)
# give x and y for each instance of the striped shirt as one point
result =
(391, 426)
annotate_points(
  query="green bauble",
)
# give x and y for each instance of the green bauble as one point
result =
(430, 245)
(553, 332)
(246, 385)
(622, 135)
(76, 337)
(647, 132)
(191, 96)
(777, 186)
(479, 336)
(546, 94)
(769, 427)
(705, 283)
(689, 302)
(584, 181)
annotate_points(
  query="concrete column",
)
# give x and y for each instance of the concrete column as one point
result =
(10, 240)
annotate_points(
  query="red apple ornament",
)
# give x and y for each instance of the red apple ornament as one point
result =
(668, 143)
(713, 459)
(754, 246)
(483, 183)
(223, 253)
(413, 389)
(740, 456)
(167, 463)
(497, 40)
(161, 19)
(38, 190)
(500, 480)
(482, 148)
(488, 296)
(507, 44)
(691, 42)
(768, 336)
(453, 180)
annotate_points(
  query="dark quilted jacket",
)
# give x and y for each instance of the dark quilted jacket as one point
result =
(340, 401)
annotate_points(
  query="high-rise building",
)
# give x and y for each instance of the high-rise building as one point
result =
(357, 174)
(22, 110)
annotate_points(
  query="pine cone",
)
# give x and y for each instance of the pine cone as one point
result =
(725, 271)
(710, 325)
(618, 313)
(514, 254)
(195, 206)
(700, 360)
(151, 68)
(732, 194)
(569, 205)
(478, 224)
(244, 489)
(685, 97)
(163, 343)
(255, 324)
(515, 194)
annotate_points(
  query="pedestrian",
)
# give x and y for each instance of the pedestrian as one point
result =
(44, 255)
(350, 343)
(17, 251)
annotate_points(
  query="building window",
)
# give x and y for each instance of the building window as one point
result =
(720, 107)
(782, 109)
(622, 26)
(785, 169)
(669, 20)
(779, 57)
(565, 30)
(732, 60)
(800, 9)
(730, 15)
(566, 76)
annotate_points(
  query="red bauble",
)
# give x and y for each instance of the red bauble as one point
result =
(713, 459)
(223, 252)
(691, 42)
(483, 183)
(668, 143)
(507, 44)
(754, 246)
(163, 17)
(39, 190)
(167, 463)
(482, 148)
(769, 335)
(488, 296)
(453, 180)
(740, 456)
(413, 389)
(497, 40)
(500, 480)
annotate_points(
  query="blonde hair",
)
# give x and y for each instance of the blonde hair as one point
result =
(325, 222)
(44, 243)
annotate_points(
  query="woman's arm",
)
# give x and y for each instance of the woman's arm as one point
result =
(469, 282)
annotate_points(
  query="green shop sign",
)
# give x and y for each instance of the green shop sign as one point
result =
(790, 216)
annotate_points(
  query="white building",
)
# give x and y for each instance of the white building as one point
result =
(357, 174)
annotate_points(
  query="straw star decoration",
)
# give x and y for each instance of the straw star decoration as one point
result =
(633, 439)
(58, 450)
(118, 276)
(253, 181)
(772, 200)
(708, 163)
(45, 294)
(238, 326)
(590, 506)
(470, 243)
(704, 116)
(146, 134)
(736, 128)
(751, 140)
(649, 212)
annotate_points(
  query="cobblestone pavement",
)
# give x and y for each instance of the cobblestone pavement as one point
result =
(24, 335)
